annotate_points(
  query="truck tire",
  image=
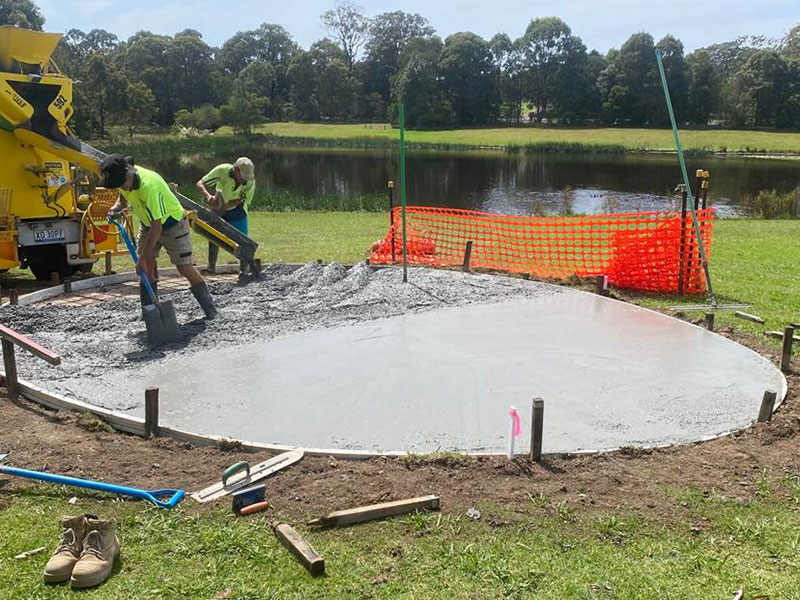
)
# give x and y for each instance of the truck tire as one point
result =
(45, 260)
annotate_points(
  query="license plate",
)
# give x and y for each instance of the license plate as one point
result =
(43, 236)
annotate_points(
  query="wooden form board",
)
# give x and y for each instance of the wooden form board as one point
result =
(376, 511)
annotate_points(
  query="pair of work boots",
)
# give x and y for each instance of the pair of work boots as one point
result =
(199, 291)
(85, 557)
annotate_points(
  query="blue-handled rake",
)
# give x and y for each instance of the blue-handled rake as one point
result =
(172, 497)
(159, 317)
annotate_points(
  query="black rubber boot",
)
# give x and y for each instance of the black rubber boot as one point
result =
(203, 297)
(213, 253)
(144, 296)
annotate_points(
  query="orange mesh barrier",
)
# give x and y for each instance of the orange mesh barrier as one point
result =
(641, 251)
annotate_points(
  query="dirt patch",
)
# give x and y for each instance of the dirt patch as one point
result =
(641, 480)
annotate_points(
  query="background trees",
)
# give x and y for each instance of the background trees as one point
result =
(369, 64)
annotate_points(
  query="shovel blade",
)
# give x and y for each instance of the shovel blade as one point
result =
(162, 324)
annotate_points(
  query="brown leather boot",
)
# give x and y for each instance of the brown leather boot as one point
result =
(59, 567)
(100, 550)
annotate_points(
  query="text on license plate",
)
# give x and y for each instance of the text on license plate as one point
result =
(49, 235)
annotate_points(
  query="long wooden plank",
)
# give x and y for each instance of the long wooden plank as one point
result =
(308, 557)
(28, 344)
(376, 511)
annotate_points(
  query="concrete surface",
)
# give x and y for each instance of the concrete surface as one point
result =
(611, 375)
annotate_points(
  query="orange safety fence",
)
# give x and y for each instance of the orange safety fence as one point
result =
(641, 251)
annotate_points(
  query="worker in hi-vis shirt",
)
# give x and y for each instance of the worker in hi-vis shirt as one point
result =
(161, 224)
(233, 186)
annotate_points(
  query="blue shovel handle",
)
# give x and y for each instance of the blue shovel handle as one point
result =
(174, 496)
(135, 257)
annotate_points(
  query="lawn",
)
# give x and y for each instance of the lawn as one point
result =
(548, 551)
(631, 139)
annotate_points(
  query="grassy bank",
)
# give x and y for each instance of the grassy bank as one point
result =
(518, 137)
(546, 551)
(605, 140)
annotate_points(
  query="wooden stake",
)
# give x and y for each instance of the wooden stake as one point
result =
(537, 426)
(376, 511)
(108, 263)
(307, 556)
(710, 321)
(601, 287)
(67, 285)
(10, 362)
(151, 412)
(767, 406)
(786, 353)
(748, 317)
(13, 296)
(467, 257)
(55, 278)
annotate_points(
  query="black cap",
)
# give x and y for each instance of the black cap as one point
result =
(114, 169)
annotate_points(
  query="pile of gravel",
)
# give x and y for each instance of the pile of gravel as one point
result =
(110, 336)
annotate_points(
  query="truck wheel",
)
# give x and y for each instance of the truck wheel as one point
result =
(45, 260)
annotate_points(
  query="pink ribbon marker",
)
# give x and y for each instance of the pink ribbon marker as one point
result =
(516, 429)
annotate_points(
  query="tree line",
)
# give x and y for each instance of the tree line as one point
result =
(367, 65)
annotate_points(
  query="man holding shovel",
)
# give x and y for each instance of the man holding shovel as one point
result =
(161, 223)
(233, 188)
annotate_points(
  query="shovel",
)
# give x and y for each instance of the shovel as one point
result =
(171, 497)
(159, 317)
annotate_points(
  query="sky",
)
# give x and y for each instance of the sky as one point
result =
(602, 24)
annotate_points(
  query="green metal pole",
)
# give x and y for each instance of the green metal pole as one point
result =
(686, 180)
(403, 186)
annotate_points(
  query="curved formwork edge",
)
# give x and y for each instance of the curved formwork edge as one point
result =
(136, 426)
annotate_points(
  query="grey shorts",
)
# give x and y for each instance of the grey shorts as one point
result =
(177, 241)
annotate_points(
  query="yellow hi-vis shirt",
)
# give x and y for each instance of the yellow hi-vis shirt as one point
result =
(152, 200)
(221, 177)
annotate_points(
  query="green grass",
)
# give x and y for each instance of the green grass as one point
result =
(519, 137)
(752, 262)
(543, 550)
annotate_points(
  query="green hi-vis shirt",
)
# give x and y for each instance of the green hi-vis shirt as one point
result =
(152, 200)
(221, 177)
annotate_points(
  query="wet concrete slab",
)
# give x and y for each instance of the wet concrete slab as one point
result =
(611, 374)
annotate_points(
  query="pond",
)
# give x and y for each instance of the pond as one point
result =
(522, 184)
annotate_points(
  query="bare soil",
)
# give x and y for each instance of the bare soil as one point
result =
(81, 446)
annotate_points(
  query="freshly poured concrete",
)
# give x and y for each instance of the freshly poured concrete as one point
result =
(611, 374)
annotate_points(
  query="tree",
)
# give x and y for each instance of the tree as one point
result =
(768, 90)
(704, 87)
(466, 68)
(790, 45)
(349, 26)
(258, 77)
(507, 65)
(141, 107)
(243, 110)
(545, 47)
(633, 77)
(105, 87)
(389, 33)
(21, 13)
(675, 71)
(321, 84)
(418, 85)
(574, 92)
